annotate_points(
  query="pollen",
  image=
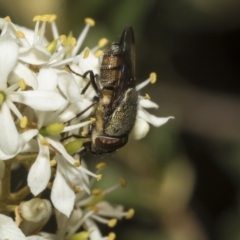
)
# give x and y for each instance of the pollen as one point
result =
(98, 53)
(51, 47)
(52, 18)
(8, 19)
(86, 53)
(153, 77)
(123, 182)
(96, 191)
(45, 17)
(130, 213)
(99, 177)
(53, 163)
(23, 122)
(147, 96)
(37, 18)
(77, 163)
(44, 142)
(20, 34)
(102, 42)
(73, 42)
(90, 22)
(101, 165)
(111, 236)
(112, 222)
(22, 84)
(63, 38)
(93, 120)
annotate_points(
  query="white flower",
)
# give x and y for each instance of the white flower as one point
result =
(9, 230)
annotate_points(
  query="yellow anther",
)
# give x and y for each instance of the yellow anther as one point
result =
(63, 38)
(123, 182)
(52, 18)
(73, 42)
(96, 191)
(112, 222)
(23, 122)
(45, 17)
(90, 22)
(8, 19)
(147, 96)
(37, 18)
(20, 34)
(93, 208)
(86, 53)
(99, 177)
(102, 42)
(52, 46)
(101, 165)
(111, 236)
(98, 53)
(77, 163)
(76, 189)
(53, 163)
(43, 141)
(93, 120)
(22, 84)
(153, 77)
(130, 213)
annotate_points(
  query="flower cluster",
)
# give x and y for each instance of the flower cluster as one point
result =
(39, 98)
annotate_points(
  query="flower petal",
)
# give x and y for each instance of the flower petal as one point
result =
(22, 72)
(155, 121)
(35, 55)
(62, 195)
(9, 230)
(140, 129)
(9, 137)
(47, 79)
(69, 87)
(42, 100)
(40, 171)
(146, 103)
(8, 57)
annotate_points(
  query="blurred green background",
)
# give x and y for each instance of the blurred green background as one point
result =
(184, 177)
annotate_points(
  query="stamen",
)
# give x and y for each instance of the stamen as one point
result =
(43, 141)
(52, 18)
(86, 53)
(93, 120)
(96, 191)
(111, 236)
(53, 163)
(76, 126)
(147, 97)
(20, 34)
(123, 182)
(130, 213)
(77, 163)
(37, 18)
(7, 19)
(153, 77)
(102, 42)
(143, 84)
(45, 18)
(90, 22)
(112, 222)
(101, 165)
(22, 84)
(23, 122)
(63, 38)
(98, 53)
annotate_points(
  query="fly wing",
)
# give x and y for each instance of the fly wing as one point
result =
(127, 77)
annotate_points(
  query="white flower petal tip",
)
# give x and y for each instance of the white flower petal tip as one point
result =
(140, 129)
(159, 121)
